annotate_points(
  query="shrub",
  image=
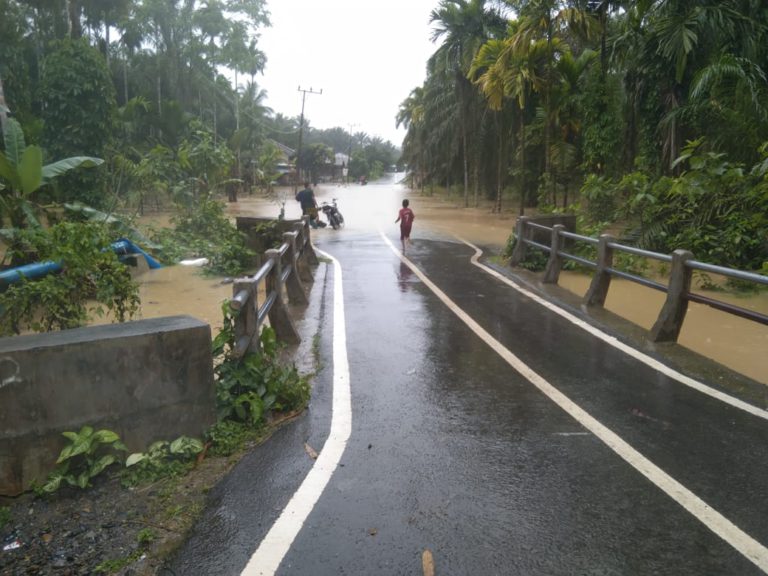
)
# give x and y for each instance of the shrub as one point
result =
(92, 280)
(87, 455)
(248, 388)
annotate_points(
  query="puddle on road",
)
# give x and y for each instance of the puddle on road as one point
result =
(731, 341)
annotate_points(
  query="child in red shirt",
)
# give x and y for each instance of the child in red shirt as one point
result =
(405, 217)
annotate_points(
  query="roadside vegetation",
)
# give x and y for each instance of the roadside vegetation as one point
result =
(141, 505)
(646, 118)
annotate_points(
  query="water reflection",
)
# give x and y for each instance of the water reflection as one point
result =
(404, 276)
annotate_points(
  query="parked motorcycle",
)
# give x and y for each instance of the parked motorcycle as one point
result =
(331, 211)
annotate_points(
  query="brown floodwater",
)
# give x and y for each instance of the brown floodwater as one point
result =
(734, 342)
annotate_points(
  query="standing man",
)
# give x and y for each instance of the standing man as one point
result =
(306, 198)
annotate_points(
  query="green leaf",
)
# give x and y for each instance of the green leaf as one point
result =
(106, 437)
(31, 169)
(9, 173)
(135, 458)
(62, 166)
(82, 480)
(13, 137)
(100, 464)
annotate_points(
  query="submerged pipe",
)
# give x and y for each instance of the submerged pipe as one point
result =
(121, 247)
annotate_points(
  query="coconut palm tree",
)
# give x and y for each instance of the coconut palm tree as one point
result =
(512, 69)
(555, 24)
(463, 25)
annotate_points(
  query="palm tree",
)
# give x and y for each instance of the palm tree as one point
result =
(465, 25)
(512, 69)
(411, 116)
(548, 20)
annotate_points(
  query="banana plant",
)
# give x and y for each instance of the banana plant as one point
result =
(22, 174)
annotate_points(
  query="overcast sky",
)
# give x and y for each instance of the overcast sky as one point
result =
(365, 55)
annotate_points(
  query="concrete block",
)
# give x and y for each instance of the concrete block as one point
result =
(146, 380)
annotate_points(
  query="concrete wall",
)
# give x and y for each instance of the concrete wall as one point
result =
(147, 380)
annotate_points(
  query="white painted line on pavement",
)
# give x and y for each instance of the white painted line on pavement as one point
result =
(277, 542)
(711, 518)
(644, 358)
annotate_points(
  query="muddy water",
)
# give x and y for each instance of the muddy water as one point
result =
(731, 341)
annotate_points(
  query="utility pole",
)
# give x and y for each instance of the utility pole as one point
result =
(304, 93)
(349, 156)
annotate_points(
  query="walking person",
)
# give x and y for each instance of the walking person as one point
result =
(405, 217)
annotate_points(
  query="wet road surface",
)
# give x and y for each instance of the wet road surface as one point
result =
(453, 450)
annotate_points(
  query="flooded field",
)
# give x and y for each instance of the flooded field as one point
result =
(731, 341)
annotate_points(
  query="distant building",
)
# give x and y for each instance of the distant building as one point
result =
(340, 166)
(285, 165)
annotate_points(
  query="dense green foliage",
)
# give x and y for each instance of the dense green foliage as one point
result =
(79, 112)
(630, 108)
(146, 85)
(162, 459)
(248, 388)
(92, 280)
(202, 230)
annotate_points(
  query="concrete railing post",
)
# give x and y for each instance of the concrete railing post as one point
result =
(279, 318)
(518, 254)
(293, 284)
(555, 262)
(307, 243)
(247, 316)
(670, 321)
(302, 259)
(601, 281)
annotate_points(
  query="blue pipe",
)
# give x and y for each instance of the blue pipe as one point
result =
(35, 270)
(121, 247)
(124, 246)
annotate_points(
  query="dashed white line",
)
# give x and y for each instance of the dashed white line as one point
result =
(275, 545)
(711, 518)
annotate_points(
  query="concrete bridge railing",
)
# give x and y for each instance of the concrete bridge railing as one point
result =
(285, 272)
(670, 320)
(146, 380)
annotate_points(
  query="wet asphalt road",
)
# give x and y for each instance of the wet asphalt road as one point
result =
(453, 451)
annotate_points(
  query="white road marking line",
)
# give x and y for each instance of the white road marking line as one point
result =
(711, 518)
(275, 545)
(644, 358)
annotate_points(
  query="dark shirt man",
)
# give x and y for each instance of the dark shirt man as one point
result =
(306, 198)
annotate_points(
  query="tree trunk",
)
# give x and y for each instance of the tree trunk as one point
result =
(466, 159)
(125, 81)
(522, 163)
(500, 161)
(74, 29)
(3, 107)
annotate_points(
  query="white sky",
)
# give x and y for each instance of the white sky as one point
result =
(365, 55)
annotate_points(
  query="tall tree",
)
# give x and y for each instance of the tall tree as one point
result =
(464, 25)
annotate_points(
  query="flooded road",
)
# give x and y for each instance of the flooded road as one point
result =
(457, 414)
(736, 343)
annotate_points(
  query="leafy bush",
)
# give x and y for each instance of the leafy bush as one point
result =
(203, 230)
(227, 437)
(714, 208)
(600, 194)
(161, 460)
(249, 387)
(92, 280)
(87, 455)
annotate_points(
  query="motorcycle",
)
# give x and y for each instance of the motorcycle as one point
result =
(331, 211)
